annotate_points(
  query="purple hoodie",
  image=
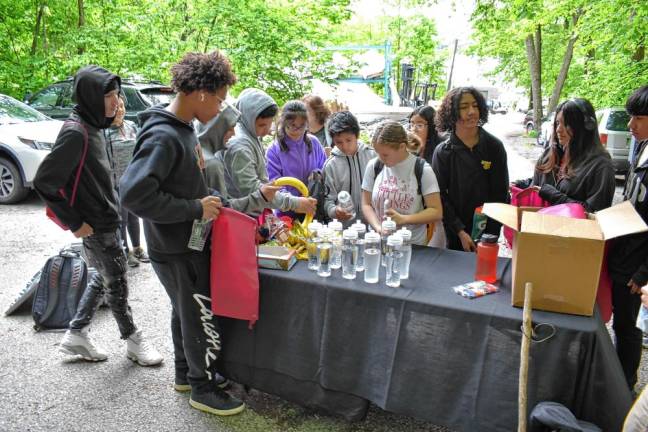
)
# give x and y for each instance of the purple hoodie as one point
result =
(296, 162)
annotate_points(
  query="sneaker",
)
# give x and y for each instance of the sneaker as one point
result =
(78, 343)
(181, 384)
(217, 402)
(645, 340)
(141, 352)
(141, 255)
(132, 261)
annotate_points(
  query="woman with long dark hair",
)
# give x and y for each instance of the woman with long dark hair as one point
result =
(421, 123)
(575, 167)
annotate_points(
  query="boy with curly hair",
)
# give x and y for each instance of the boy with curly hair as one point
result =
(164, 185)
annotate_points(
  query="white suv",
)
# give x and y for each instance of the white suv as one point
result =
(26, 137)
(613, 129)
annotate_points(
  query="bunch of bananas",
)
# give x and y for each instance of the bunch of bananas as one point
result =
(297, 238)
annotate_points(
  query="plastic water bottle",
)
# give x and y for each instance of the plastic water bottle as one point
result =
(336, 241)
(372, 257)
(311, 244)
(406, 250)
(349, 253)
(487, 250)
(361, 229)
(324, 253)
(387, 228)
(345, 202)
(393, 260)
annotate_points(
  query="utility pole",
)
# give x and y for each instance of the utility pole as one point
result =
(454, 53)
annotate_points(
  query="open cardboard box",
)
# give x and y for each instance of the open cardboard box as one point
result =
(276, 257)
(562, 256)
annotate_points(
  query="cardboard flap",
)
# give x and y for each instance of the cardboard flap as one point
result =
(503, 213)
(619, 220)
(538, 223)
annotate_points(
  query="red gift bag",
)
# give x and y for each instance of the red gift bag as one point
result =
(234, 274)
(523, 198)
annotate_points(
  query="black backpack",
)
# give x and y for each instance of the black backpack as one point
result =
(62, 282)
(317, 189)
(418, 172)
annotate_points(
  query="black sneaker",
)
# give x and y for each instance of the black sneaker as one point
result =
(216, 402)
(182, 385)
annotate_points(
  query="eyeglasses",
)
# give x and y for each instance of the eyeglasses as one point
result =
(294, 128)
(417, 126)
(223, 103)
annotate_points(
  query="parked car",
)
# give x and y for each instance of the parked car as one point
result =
(528, 122)
(496, 107)
(615, 136)
(56, 99)
(26, 137)
(546, 129)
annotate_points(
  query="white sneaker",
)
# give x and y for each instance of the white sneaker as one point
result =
(78, 343)
(141, 352)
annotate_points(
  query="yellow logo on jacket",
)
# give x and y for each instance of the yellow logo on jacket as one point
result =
(486, 164)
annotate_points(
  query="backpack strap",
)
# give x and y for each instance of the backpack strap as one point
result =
(378, 167)
(418, 172)
(81, 162)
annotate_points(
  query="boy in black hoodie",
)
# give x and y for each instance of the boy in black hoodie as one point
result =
(628, 256)
(95, 214)
(165, 186)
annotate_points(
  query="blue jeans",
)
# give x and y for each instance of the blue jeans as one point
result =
(105, 253)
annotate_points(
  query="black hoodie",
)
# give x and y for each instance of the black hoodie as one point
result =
(468, 178)
(164, 182)
(96, 203)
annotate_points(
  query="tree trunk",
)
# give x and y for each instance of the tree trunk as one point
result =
(81, 23)
(564, 69)
(536, 84)
(39, 16)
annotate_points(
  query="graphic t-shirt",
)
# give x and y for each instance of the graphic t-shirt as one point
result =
(398, 185)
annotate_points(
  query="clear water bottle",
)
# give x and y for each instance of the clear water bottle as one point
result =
(361, 229)
(311, 244)
(324, 253)
(387, 228)
(372, 257)
(345, 202)
(393, 260)
(406, 250)
(349, 253)
(336, 241)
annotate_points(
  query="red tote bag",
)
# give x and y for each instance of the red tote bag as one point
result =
(523, 198)
(234, 274)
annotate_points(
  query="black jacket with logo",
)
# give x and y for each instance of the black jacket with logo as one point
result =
(96, 202)
(628, 255)
(467, 179)
(164, 182)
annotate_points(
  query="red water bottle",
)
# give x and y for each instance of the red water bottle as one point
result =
(487, 250)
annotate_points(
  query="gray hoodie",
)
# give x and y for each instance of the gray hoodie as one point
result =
(342, 172)
(211, 137)
(245, 165)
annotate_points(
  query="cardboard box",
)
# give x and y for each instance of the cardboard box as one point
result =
(276, 257)
(562, 256)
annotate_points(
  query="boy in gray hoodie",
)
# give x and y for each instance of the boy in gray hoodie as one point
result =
(245, 165)
(345, 167)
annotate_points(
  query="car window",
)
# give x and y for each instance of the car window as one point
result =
(66, 99)
(618, 121)
(158, 96)
(46, 98)
(133, 101)
(12, 111)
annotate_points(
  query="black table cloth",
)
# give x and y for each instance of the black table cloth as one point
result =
(420, 350)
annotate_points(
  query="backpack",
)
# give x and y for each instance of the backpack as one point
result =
(62, 282)
(317, 189)
(418, 172)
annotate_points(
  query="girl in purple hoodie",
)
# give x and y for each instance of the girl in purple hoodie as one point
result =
(294, 153)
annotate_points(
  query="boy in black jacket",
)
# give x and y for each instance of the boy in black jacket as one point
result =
(95, 214)
(628, 256)
(165, 186)
(470, 166)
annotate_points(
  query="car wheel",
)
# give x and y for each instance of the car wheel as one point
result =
(529, 128)
(12, 189)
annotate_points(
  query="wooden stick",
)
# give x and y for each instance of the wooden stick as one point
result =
(524, 358)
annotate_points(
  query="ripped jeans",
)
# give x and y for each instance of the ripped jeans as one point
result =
(105, 253)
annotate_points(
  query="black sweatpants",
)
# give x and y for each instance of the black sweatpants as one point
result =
(194, 328)
(625, 307)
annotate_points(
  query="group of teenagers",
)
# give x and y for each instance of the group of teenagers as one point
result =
(200, 153)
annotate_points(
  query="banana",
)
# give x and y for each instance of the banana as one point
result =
(300, 186)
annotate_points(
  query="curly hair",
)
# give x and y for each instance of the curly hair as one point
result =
(292, 110)
(319, 108)
(447, 115)
(202, 71)
(391, 134)
(343, 121)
